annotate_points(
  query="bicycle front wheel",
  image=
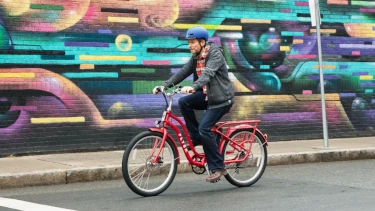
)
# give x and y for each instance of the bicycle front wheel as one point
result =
(141, 174)
(248, 172)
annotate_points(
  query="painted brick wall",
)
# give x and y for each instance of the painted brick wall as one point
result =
(77, 75)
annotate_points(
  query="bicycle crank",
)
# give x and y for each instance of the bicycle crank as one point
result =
(197, 169)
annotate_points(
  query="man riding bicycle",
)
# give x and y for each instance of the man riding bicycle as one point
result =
(212, 91)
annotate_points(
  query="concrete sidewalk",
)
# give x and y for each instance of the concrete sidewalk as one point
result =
(92, 166)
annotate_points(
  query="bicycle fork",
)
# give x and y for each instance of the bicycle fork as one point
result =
(157, 159)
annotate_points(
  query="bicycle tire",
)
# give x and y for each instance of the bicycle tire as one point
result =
(143, 149)
(260, 142)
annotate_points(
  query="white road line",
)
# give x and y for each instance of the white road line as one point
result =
(27, 206)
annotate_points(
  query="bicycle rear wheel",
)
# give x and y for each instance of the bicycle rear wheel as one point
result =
(140, 173)
(248, 172)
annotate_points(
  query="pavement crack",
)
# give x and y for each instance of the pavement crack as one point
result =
(56, 162)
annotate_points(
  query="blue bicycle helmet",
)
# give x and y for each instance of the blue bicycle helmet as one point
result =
(197, 32)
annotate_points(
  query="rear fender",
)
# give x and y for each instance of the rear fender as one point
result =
(246, 126)
(162, 131)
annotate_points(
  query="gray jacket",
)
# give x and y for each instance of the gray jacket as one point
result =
(215, 76)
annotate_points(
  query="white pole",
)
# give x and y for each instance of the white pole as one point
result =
(325, 130)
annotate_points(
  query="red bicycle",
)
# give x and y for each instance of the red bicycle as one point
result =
(150, 160)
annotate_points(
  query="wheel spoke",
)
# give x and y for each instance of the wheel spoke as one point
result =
(148, 177)
(136, 169)
(251, 169)
(136, 177)
(141, 173)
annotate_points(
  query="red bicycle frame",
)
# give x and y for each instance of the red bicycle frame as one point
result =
(229, 128)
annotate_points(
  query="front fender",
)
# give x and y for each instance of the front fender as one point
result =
(162, 131)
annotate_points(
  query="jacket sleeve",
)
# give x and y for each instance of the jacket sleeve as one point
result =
(215, 61)
(176, 78)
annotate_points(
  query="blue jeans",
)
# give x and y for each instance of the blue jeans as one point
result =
(201, 132)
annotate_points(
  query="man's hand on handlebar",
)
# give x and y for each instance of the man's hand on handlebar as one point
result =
(158, 90)
(183, 90)
(187, 90)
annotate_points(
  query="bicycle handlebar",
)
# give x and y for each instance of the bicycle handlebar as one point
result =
(170, 95)
(176, 91)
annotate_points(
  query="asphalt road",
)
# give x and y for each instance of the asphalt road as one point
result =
(321, 186)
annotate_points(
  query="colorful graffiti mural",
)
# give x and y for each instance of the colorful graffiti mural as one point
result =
(78, 75)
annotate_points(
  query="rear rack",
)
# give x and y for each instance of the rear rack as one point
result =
(227, 126)
(253, 123)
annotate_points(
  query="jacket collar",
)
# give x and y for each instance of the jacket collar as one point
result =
(210, 48)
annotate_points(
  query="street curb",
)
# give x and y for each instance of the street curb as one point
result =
(36, 178)
(320, 156)
(113, 172)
